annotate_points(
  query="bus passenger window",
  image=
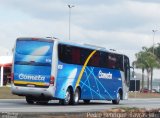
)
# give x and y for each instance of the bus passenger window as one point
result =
(94, 60)
(103, 59)
(64, 53)
(111, 61)
(119, 62)
(84, 55)
(75, 55)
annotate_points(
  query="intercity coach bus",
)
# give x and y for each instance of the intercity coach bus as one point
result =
(49, 69)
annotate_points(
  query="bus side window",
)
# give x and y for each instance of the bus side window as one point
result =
(75, 55)
(60, 52)
(103, 59)
(84, 55)
(119, 62)
(94, 61)
(111, 61)
(64, 53)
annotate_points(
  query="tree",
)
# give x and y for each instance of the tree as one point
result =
(146, 60)
(140, 63)
(157, 51)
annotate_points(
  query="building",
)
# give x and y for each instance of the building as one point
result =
(5, 70)
(138, 80)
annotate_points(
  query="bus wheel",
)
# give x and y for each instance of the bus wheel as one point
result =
(29, 100)
(76, 96)
(67, 99)
(117, 100)
(86, 101)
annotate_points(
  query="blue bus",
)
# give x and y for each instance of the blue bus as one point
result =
(49, 69)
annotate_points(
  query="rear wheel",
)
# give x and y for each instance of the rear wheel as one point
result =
(117, 100)
(86, 101)
(29, 100)
(76, 96)
(67, 99)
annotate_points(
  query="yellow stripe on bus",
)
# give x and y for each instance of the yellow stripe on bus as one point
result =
(32, 83)
(83, 68)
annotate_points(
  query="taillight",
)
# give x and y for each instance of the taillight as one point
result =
(52, 80)
(12, 77)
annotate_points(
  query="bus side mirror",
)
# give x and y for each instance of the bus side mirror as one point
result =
(133, 73)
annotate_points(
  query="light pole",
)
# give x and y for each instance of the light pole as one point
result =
(134, 76)
(70, 6)
(154, 31)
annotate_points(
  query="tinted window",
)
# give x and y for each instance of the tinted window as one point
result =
(119, 62)
(95, 59)
(75, 55)
(103, 59)
(72, 54)
(78, 55)
(65, 53)
(112, 61)
(84, 54)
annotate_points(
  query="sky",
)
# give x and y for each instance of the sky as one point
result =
(123, 25)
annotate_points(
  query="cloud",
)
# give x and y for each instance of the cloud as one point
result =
(40, 9)
(124, 25)
(99, 15)
(125, 16)
(148, 1)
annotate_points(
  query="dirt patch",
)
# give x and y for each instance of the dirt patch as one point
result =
(112, 113)
(143, 95)
(5, 93)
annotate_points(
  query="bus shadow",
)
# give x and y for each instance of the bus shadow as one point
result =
(80, 104)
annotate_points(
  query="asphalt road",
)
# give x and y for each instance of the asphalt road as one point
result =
(20, 105)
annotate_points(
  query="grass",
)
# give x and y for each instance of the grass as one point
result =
(143, 95)
(5, 93)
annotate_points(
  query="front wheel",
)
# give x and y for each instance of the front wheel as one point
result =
(117, 100)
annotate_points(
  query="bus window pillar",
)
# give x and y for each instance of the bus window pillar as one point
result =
(1, 82)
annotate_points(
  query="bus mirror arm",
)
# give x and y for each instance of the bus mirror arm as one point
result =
(133, 73)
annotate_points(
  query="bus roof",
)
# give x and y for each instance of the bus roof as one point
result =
(90, 46)
(84, 45)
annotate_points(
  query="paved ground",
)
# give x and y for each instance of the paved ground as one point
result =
(20, 105)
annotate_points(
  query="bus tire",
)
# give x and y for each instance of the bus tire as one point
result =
(86, 101)
(76, 96)
(29, 100)
(117, 100)
(67, 99)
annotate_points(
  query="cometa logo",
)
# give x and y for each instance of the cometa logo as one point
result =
(104, 75)
(31, 77)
